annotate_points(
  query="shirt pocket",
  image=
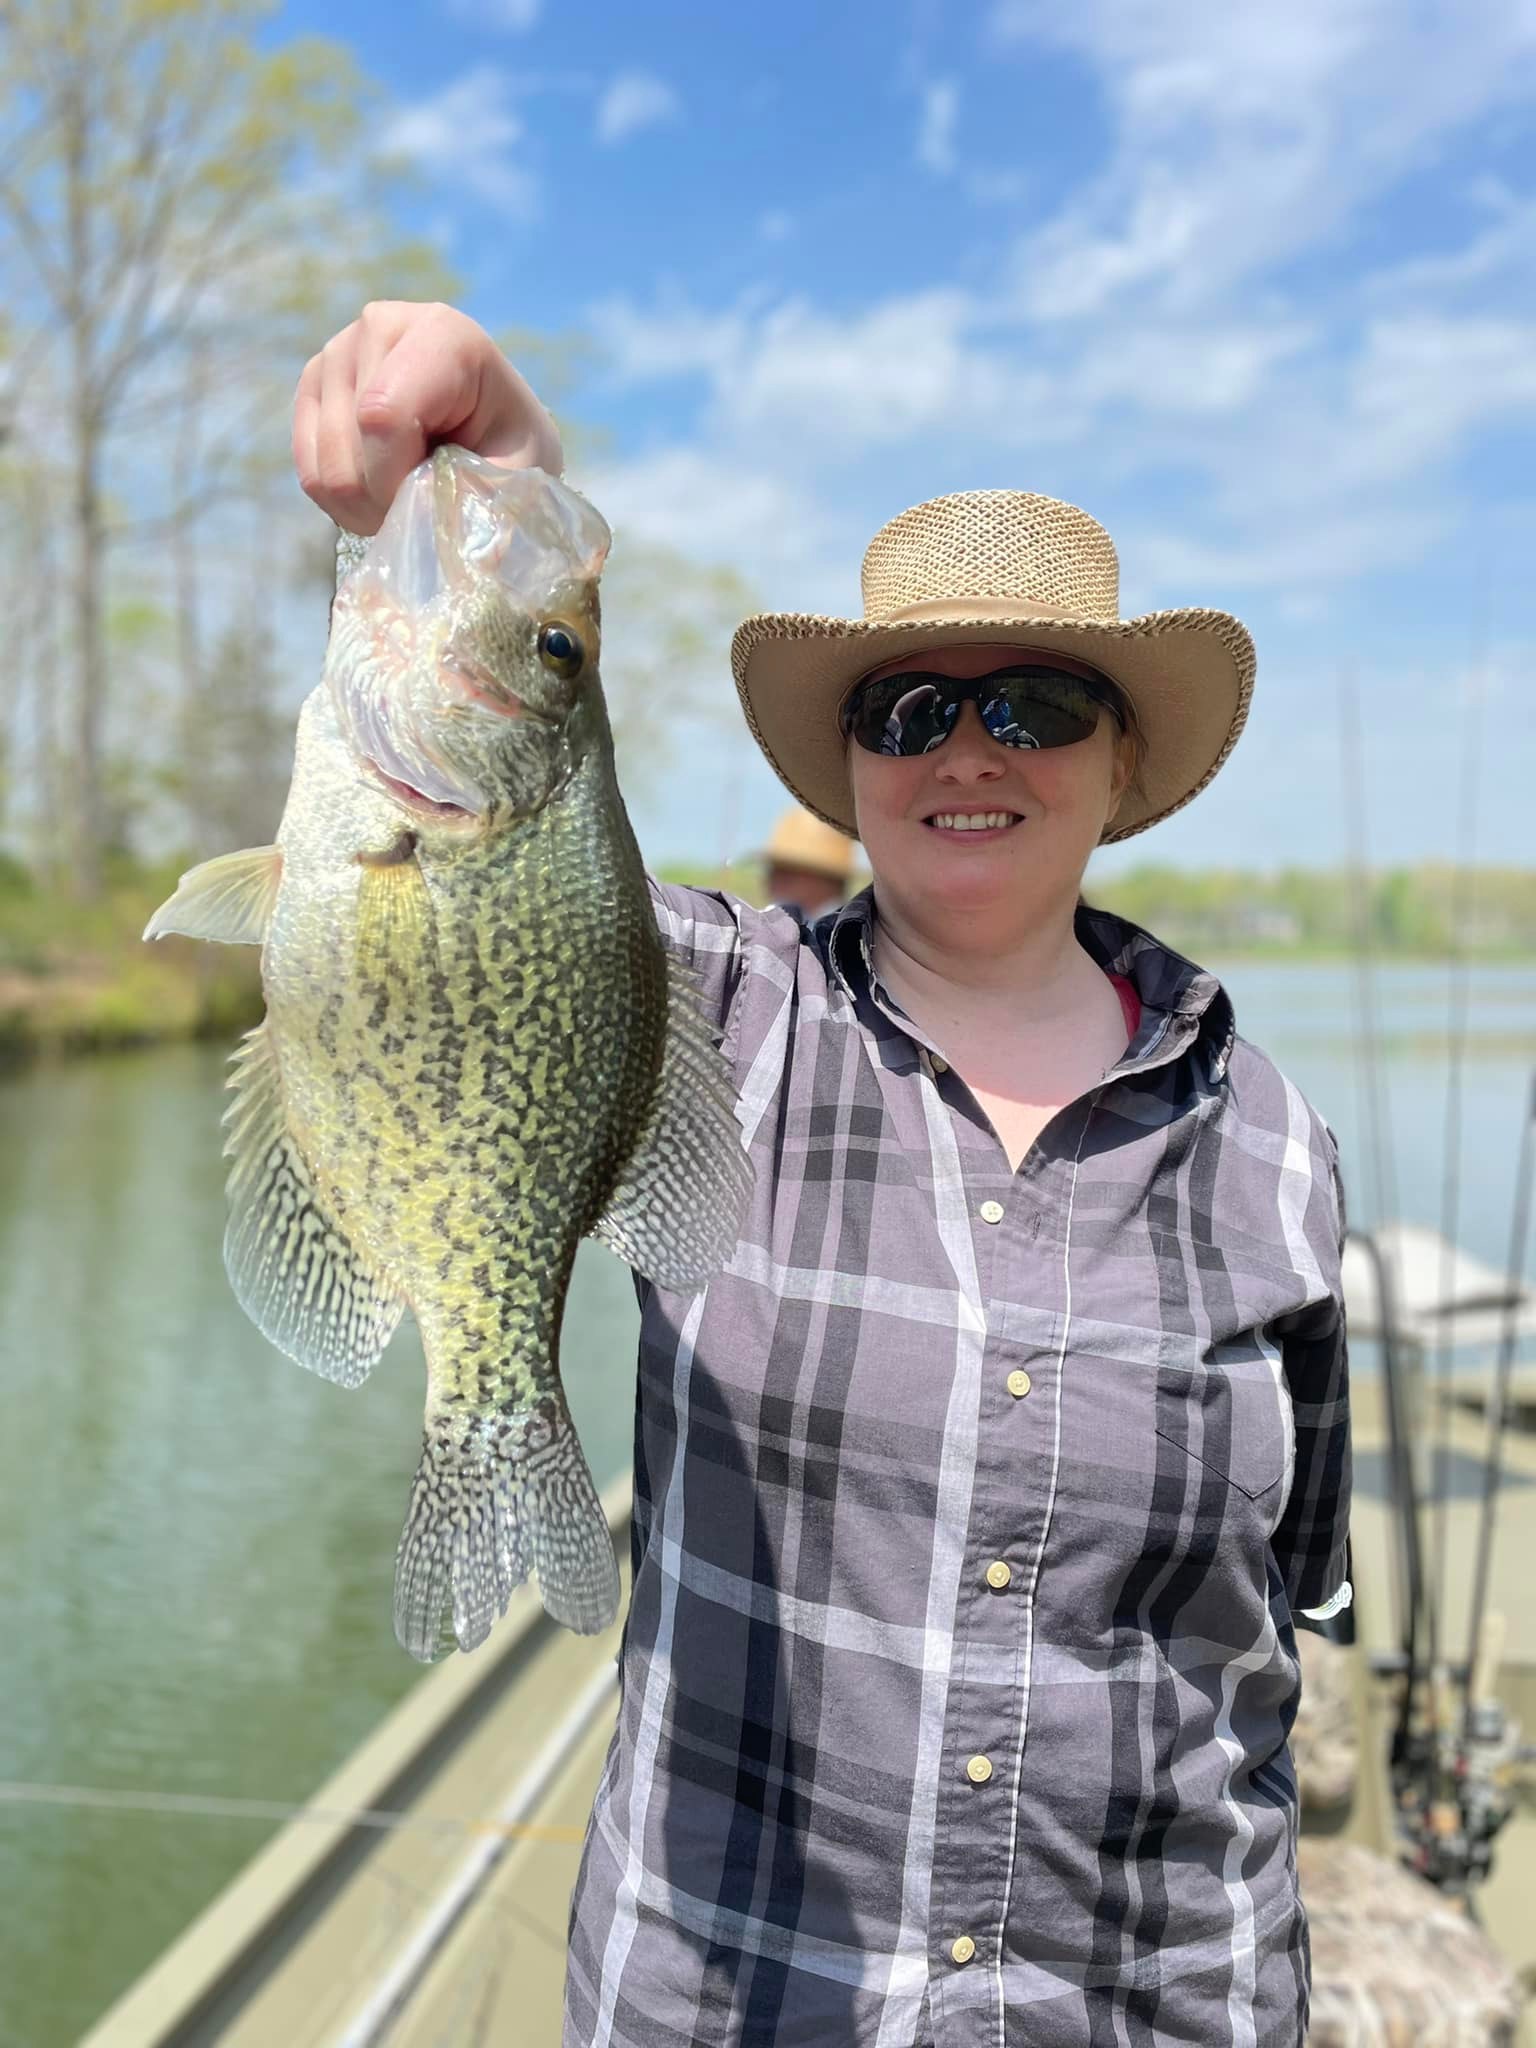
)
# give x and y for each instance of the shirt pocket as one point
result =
(1233, 1416)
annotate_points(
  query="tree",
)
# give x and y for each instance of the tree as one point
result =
(174, 202)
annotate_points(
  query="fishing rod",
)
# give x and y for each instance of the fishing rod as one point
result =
(1415, 1747)
(1407, 1554)
(1458, 982)
(1487, 1742)
(1452, 1774)
(1375, 1114)
(1498, 1400)
(1413, 1597)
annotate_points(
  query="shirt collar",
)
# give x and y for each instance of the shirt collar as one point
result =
(1164, 980)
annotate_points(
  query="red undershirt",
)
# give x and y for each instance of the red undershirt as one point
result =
(1130, 1004)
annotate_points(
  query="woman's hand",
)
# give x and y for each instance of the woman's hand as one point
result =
(388, 388)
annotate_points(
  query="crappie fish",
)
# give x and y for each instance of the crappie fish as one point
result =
(475, 1049)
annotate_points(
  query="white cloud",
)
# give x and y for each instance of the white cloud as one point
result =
(1423, 383)
(1245, 135)
(795, 379)
(674, 339)
(465, 134)
(1311, 469)
(1496, 258)
(634, 100)
(515, 16)
(713, 508)
(998, 188)
(936, 128)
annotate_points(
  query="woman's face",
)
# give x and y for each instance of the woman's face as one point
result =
(1056, 800)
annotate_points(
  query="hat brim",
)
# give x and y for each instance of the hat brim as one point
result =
(1189, 674)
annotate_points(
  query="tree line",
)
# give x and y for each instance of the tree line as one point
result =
(188, 208)
(1430, 910)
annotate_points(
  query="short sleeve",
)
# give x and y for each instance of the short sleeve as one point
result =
(1312, 1541)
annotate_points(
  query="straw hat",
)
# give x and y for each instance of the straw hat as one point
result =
(1006, 566)
(800, 841)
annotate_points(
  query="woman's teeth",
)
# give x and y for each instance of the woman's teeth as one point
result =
(972, 821)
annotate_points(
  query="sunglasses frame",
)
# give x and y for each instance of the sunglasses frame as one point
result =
(963, 690)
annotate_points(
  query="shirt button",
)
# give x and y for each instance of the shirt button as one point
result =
(979, 1769)
(998, 1574)
(991, 1212)
(1018, 1384)
(940, 1064)
(962, 1949)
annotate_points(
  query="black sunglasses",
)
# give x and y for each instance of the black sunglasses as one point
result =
(1027, 705)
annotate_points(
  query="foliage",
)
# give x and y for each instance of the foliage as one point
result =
(188, 209)
(1432, 910)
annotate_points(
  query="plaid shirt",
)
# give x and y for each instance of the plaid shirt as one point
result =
(971, 1511)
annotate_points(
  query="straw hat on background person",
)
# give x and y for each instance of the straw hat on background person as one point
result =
(998, 566)
(808, 863)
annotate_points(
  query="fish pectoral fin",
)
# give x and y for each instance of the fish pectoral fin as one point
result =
(396, 937)
(229, 898)
(296, 1274)
(676, 1212)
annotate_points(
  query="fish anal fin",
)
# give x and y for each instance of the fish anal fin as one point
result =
(229, 898)
(294, 1271)
(676, 1213)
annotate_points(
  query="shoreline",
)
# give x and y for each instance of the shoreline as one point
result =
(78, 979)
(122, 1006)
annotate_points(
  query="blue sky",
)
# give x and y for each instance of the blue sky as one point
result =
(1255, 286)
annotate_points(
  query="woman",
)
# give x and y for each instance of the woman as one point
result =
(974, 1502)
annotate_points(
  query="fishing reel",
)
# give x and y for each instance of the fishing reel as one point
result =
(1458, 1777)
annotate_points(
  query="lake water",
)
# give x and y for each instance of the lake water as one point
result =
(197, 1538)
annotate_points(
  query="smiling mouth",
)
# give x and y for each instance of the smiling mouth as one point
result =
(957, 822)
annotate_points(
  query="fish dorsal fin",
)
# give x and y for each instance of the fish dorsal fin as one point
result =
(677, 1210)
(229, 898)
(294, 1271)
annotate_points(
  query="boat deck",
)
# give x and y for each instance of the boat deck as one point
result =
(422, 1900)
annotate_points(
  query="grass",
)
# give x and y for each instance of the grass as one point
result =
(79, 977)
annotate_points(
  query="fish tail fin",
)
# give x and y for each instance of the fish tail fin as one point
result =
(494, 1499)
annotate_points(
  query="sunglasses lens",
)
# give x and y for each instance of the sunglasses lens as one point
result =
(1040, 711)
(901, 715)
(913, 714)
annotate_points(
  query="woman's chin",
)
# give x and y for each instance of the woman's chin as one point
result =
(1008, 875)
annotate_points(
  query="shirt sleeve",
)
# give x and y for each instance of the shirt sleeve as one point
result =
(1312, 1541)
(698, 925)
(719, 936)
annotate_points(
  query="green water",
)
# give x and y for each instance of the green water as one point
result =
(197, 1538)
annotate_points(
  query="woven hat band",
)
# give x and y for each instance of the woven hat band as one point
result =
(1046, 557)
(950, 610)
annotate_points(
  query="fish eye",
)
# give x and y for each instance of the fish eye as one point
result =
(560, 649)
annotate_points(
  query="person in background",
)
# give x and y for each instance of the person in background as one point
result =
(807, 863)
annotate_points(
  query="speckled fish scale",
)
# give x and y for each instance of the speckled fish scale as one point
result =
(475, 1049)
